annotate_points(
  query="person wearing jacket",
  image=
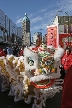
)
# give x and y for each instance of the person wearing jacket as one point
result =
(2, 52)
(66, 101)
(9, 50)
(16, 50)
(65, 61)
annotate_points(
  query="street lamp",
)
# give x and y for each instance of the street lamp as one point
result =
(58, 12)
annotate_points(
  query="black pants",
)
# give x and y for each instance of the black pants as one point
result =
(62, 72)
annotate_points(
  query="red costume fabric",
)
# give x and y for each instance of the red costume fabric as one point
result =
(2, 53)
(21, 53)
(66, 61)
(67, 90)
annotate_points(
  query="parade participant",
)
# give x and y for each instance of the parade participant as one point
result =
(66, 61)
(67, 86)
(67, 90)
(2, 52)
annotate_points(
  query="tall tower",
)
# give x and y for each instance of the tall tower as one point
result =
(26, 37)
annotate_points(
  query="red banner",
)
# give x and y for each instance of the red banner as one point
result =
(52, 36)
(61, 36)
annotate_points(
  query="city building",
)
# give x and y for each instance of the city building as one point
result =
(37, 38)
(12, 32)
(9, 33)
(26, 35)
(19, 35)
(2, 26)
(63, 24)
(7, 27)
(19, 32)
(45, 39)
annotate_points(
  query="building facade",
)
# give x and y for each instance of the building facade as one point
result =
(45, 39)
(7, 24)
(64, 29)
(19, 32)
(37, 38)
(8, 29)
(2, 18)
(64, 24)
(2, 26)
(26, 36)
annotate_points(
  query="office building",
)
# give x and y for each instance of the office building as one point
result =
(8, 29)
(26, 35)
(19, 32)
(2, 25)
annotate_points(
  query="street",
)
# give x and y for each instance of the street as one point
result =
(8, 101)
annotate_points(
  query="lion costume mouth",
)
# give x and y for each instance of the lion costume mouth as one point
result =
(43, 84)
(42, 81)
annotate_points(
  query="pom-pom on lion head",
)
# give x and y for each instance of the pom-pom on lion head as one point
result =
(58, 53)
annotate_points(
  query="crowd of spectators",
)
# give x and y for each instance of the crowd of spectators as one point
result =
(14, 50)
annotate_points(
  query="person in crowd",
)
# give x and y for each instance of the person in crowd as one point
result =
(66, 59)
(9, 50)
(5, 50)
(21, 52)
(65, 62)
(2, 52)
(16, 50)
(66, 101)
